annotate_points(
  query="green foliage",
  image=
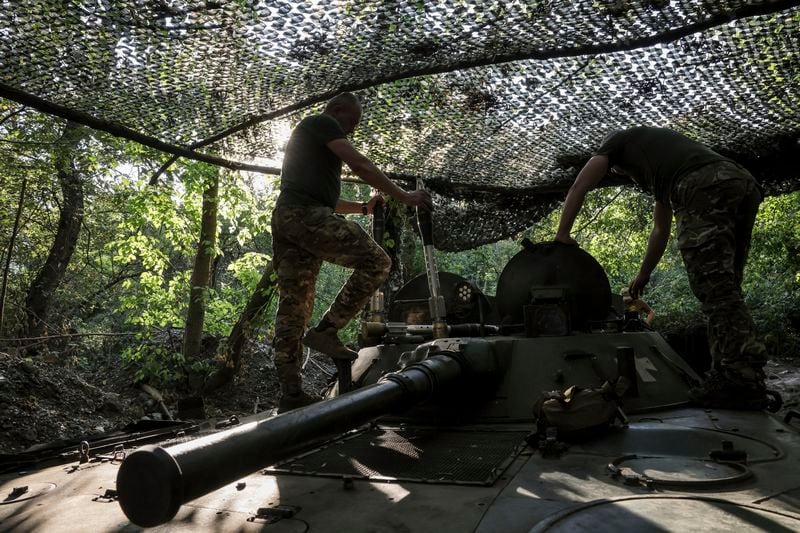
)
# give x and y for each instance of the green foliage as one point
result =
(482, 265)
(155, 364)
(246, 269)
(132, 266)
(161, 235)
(772, 276)
(153, 302)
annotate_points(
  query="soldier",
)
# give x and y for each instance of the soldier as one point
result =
(307, 230)
(715, 202)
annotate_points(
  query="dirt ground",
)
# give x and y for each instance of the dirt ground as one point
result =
(44, 400)
(784, 376)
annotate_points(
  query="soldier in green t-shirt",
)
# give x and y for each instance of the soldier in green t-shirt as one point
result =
(307, 230)
(715, 202)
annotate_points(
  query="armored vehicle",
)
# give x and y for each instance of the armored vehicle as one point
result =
(437, 428)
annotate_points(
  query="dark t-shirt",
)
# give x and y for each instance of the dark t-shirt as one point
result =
(311, 173)
(656, 158)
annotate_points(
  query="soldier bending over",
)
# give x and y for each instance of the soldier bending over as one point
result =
(307, 230)
(715, 202)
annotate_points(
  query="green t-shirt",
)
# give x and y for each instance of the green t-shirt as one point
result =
(311, 173)
(656, 158)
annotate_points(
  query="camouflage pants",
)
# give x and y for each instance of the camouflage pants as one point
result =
(304, 237)
(715, 208)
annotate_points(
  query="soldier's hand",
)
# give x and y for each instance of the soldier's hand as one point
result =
(637, 285)
(419, 198)
(375, 200)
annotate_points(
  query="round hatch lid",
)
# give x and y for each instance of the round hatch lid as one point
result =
(683, 472)
(667, 513)
(557, 266)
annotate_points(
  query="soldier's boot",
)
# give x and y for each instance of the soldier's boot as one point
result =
(293, 396)
(292, 393)
(734, 387)
(327, 341)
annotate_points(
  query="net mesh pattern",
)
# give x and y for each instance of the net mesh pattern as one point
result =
(413, 454)
(494, 104)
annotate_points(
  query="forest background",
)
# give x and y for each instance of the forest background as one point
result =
(108, 251)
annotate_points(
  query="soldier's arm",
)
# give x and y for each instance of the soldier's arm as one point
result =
(656, 244)
(651, 315)
(589, 176)
(367, 171)
(346, 207)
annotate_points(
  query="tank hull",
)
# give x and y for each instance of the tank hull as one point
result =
(533, 491)
(463, 466)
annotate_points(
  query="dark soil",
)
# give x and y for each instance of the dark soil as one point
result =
(45, 399)
(783, 376)
(256, 388)
(41, 400)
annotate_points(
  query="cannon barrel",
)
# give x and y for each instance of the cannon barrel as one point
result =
(153, 482)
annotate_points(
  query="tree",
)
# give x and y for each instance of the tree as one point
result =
(201, 273)
(40, 294)
(10, 251)
(231, 357)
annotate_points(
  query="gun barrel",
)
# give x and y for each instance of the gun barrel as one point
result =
(153, 482)
(379, 329)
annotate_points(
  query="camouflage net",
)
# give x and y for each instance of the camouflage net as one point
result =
(495, 104)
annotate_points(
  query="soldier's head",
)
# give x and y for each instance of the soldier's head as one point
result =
(346, 109)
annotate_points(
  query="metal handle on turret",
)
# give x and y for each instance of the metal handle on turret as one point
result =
(425, 223)
(436, 299)
(376, 301)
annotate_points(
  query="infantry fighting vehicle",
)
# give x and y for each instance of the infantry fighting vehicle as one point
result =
(434, 430)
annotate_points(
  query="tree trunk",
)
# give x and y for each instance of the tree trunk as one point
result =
(10, 252)
(201, 273)
(40, 294)
(231, 359)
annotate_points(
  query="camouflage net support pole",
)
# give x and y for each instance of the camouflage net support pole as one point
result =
(376, 302)
(436, 300)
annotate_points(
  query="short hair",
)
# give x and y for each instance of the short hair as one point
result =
(343, 101)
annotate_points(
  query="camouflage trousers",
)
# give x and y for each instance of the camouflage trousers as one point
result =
(304, 237)
(715, 208)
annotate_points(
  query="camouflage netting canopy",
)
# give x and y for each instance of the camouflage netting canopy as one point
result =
(495, 104)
